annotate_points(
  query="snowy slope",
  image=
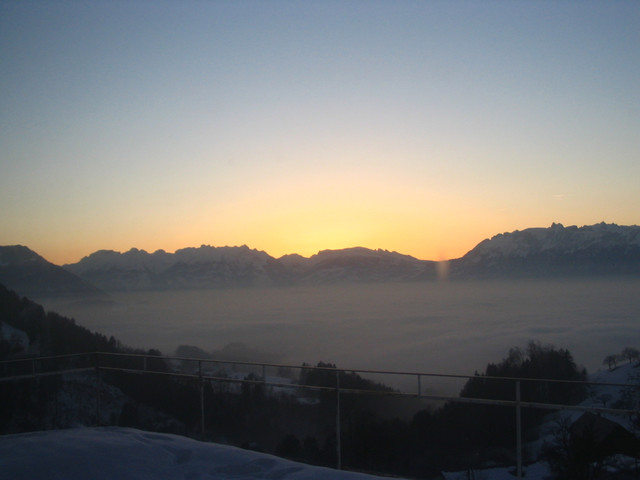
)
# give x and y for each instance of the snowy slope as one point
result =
(557, 238)
(557, 250)
(18, 339)
(128, 454)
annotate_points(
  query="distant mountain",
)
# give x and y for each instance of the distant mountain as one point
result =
(209, 267)
(601, 249)
(27, 273)
(360, 265)
(203, 267)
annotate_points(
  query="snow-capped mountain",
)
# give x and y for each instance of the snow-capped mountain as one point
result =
(362, 265)
(202, 267)
(207, 267)
(26, 272)
(557, 250)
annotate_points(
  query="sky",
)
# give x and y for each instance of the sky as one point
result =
(421, 127)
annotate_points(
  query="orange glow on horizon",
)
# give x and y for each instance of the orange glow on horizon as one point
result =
(303, 216)
(305, 248)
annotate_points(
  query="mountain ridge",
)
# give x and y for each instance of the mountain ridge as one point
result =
(534, 252)
(600, 249)
(28, 273)
(207, 267)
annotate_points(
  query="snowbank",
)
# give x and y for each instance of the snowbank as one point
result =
(126, 454)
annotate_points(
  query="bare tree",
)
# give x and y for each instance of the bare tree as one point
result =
(612, 361)
(631, 354)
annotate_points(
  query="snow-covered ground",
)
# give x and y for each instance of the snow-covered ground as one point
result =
(17, 338)
(111, 453)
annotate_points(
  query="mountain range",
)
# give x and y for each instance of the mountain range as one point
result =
(210, 267)
(601, 249)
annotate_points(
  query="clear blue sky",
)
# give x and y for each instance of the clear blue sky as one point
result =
(291, 126)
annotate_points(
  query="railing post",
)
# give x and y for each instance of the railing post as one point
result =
(518, 432)
(264, 378)
(98, 388)
(338, 422)
(201, 397)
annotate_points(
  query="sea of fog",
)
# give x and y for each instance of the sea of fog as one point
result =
(447, 327)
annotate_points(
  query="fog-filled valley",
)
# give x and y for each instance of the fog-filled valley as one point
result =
(439, 327)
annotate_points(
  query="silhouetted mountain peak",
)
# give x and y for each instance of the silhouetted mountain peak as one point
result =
(26, 272)
(17, 255)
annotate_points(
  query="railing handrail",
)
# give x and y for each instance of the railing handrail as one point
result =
(31, 358)
(312, 367)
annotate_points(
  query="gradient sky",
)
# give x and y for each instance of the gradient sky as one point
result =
(291, 126)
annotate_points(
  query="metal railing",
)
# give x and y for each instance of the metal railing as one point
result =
(35, 367)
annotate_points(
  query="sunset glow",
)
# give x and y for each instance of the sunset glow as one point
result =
(292, 127)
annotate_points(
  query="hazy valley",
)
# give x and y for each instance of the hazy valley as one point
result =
(448, 327)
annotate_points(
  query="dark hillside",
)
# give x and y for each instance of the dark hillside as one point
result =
(48, 332)
(29, 274)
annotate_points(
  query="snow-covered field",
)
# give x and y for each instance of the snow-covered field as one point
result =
(129, 454)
